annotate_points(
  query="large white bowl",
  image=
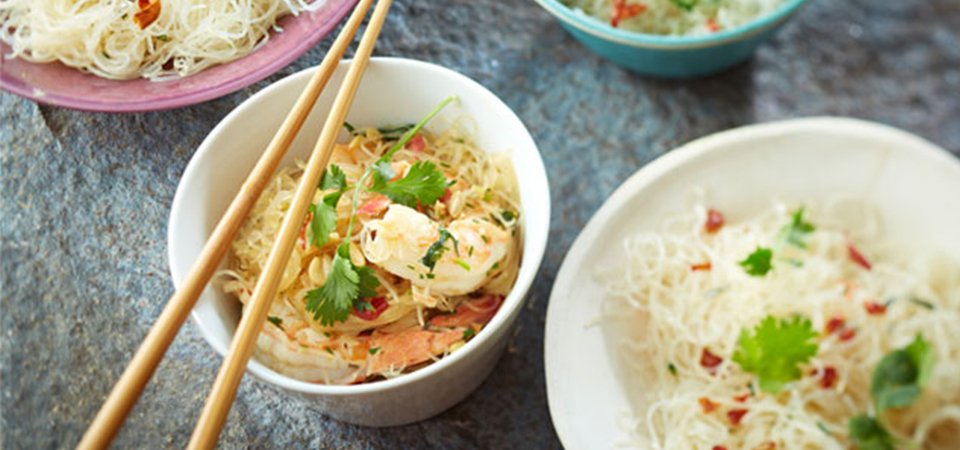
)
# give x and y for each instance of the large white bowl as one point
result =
(915, 184)
(393, 91)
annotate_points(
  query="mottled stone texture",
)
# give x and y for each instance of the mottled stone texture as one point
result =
(85, 199)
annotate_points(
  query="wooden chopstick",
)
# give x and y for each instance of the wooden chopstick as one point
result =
(138, 372)
(214, 414)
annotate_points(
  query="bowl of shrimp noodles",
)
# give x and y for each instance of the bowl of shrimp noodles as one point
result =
(413, 262)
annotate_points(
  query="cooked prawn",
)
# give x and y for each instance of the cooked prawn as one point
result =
(399, 241)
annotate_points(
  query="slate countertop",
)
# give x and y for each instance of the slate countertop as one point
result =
(85, 198)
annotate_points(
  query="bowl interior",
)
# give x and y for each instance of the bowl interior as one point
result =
(60, 85)
(605, 31)
(393, 91)
(914, 183)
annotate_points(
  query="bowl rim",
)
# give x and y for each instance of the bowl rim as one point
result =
(606, 32)
(662, 167)
(512, 303)
(187, 97)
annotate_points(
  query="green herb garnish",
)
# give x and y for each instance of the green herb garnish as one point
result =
(775, 349)
(898, 377)
(868, 434)
(795, 233)
(758, 263)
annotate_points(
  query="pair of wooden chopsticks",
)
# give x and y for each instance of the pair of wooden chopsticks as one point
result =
(127, 390)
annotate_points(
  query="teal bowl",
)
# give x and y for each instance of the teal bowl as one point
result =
(671, 56)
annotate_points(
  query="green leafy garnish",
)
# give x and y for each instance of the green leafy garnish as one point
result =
(468, 333)
(423, 185)
(333, 178)
(508, 216)
(758, 263)
(164, 38)
(391, 133)
(795, 233)
(898, 377)
(672, 369)
(323, 218)
(686, 5)
(346, 283)
(276, 321)
(868, 434)
(374, 350)
(921, 302)
(350, 128)
(438, 248)
(775, 349)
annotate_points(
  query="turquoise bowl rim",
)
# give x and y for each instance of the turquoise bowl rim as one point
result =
(606, 32)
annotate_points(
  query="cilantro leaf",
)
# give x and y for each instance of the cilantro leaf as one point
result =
(775, 349)
(332, 302)
(390, 133)
(758, 263)
(898, 377)
(346, 283)
(323, 221)
(276, 321)
(333, 178)
(686, 5)
(868, 434)
(423, 184)
(367, 282)
(797, 230)
(402, 142)
(438, 248)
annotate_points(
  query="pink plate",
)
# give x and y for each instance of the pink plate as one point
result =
(57, 84)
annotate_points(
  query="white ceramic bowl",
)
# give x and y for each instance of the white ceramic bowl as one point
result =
(393, 91)
(915, 184)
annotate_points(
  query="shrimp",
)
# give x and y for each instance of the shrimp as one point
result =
(391, 352)
(399, 241)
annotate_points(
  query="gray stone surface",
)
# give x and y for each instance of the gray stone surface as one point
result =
(85, 199)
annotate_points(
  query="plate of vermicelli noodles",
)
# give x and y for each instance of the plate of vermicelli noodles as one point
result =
(793, 285)
(124, 55)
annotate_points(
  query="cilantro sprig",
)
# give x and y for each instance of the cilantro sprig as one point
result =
(795, 233)
(775, 349)
(897, 382)
(346, 283)
(901, 374)
(758, 263)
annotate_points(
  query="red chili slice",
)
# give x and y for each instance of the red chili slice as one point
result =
(712, 25)
(835, 323)
(736, 415)
(741, 398)
(719, 447)
(714, 221)
(701, 266)
(829, 377)
(379, 305)
(621, 10)
(856, 256)
(709, 360)
(707, 405)
(446, 196)
(148, 13)
(417, 143)
(848, 334)
(874, 308)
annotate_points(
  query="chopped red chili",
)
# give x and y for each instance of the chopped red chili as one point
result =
(148, 12)
(741, 398)
(847, 334)
(707, 405)
(701, 266)
(719, 447)
(377, 306)
(874, 308)
(712, 25)
(856, 256)
(621, 10)
(709, 360)
(829, 377)
(446, 196)
(736, 415)
(835, 323)
(714, 221)
(416, 143)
